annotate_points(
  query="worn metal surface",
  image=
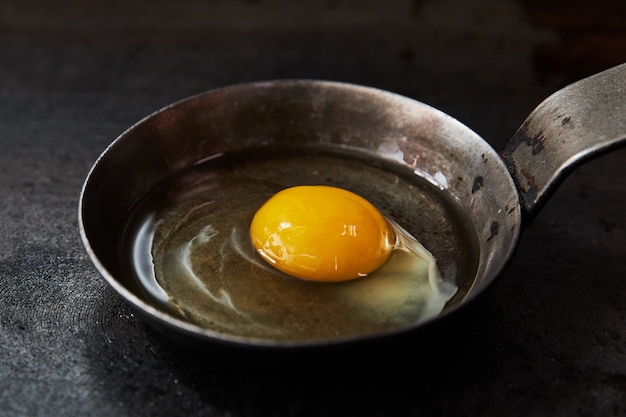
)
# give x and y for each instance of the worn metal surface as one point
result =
(580, 121)
(547, 338)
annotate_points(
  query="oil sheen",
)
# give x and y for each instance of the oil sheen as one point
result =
(187, 247)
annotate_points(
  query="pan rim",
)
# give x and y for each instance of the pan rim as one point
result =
(169, 321)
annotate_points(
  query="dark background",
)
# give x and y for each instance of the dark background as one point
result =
(547, 339)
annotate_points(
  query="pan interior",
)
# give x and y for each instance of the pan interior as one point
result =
(234, 184)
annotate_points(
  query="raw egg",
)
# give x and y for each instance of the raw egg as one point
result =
(328, 234)
(242, 254)
(321, 233)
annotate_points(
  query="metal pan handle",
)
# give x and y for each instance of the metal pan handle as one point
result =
(575, 124)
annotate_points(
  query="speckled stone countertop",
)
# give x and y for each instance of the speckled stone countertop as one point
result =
(547, 339)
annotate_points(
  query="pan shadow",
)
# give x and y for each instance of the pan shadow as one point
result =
(147, 373)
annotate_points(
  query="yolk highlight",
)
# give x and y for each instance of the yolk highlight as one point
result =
(321, 233)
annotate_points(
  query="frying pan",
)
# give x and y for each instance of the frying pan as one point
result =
(471, 213)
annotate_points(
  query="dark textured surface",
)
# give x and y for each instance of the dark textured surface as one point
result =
(548, 338)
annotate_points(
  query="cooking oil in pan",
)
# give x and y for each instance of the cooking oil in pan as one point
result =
(187, 247)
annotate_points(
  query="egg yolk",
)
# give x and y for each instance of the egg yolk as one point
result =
(321, 233)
